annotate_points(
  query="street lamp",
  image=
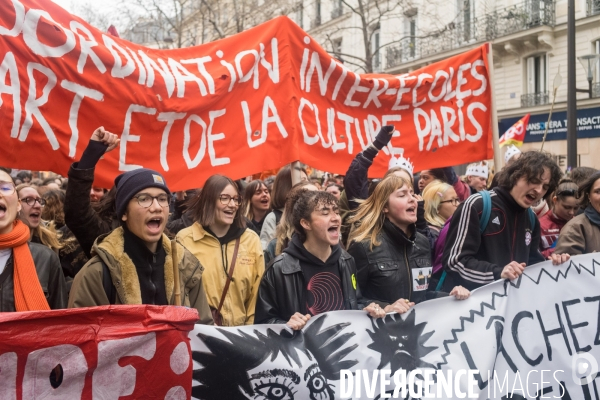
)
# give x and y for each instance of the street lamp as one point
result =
(588, 62)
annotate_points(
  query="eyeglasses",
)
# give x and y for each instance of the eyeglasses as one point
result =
(225, 199)
(30, 201)
(7, 188)
(455, 201)
(145, 200)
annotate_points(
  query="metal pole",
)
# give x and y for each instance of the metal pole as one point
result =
(571, 88)
(495, 134)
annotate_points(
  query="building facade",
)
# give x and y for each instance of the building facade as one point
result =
(529, 44)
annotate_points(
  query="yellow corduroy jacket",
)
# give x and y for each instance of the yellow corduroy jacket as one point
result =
(240, 301)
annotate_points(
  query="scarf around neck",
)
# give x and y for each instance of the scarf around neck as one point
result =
(592, 215)
(28, 292)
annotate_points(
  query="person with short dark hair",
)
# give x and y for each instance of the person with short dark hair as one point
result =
(335, 189)
(510, 241)
(581, 235)
(133, 264)
(314, 274)
(580, 174)
(229, 251)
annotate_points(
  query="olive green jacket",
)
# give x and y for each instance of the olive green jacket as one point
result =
(88, 290)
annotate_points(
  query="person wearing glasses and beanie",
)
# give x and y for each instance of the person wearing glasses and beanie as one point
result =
(230, 252)
(133, 264)
(30, 275)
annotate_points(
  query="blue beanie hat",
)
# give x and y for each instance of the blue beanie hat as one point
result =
(130, 183)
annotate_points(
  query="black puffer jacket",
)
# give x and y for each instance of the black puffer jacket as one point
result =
(49, 274)
(399, 268)
(282, 290)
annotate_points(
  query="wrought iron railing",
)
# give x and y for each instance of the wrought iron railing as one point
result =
(337, 12)
(593, 7)
(535, 99)
(490, 26)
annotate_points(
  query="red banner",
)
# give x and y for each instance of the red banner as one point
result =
(252, 102)
(125, 352)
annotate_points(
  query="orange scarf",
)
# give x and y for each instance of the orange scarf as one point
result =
(29, 295)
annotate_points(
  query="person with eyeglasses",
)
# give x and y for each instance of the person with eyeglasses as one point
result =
(230, 252)
(581, 235)
(565, 204)
(30, 274)
(32, 206)
(133, 264)
(388, 250)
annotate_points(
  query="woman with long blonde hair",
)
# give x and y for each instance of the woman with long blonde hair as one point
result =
(393, 260)
(441, 201)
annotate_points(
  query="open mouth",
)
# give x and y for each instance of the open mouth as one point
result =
(229, 213)
(410, 210)
(334, 230)
(34, 215)
(531, 197)
(154, 224)
(2, 210)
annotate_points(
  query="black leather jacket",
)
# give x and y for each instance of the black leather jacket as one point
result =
(282, 290)
(49, 273)
(399, 268)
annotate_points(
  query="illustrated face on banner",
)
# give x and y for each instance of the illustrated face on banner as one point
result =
(260, 373)
(405, 338)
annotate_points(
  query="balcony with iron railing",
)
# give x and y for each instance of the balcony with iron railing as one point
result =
(593, 7)
(503, 22)
(535, 99)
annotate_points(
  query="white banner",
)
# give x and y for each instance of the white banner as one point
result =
(537, 337)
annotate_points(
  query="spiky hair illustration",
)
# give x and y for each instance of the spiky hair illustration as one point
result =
(224, 373)
(400, 342)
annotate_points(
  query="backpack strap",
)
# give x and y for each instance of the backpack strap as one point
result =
(532, 218)
(487, 210)
(109, 288)
(483, 222)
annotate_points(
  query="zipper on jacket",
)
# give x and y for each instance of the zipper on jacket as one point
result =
(409, 275)
(512, 250)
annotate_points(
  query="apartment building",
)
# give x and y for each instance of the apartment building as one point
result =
(529, 42)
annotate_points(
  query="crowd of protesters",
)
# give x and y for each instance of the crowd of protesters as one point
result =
(279, 251)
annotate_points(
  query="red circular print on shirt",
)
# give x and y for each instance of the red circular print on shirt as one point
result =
(324, 293)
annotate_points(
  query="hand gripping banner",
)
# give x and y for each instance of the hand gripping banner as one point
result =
(245, 104)
(535, 338)
(122, 352)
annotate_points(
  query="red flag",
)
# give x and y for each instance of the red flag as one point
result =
(113, 31)
(516, 133)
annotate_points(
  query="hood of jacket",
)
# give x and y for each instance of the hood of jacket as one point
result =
(296, 249)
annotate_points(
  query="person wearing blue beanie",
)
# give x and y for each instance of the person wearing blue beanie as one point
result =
(133, 264)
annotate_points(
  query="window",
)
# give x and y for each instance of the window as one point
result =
(317, 21)
(537, 82)
(466, 11)
(410, 33)
(337, 9)
(337, 49)
(375, 50)
(536, 74)
(300, 15)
